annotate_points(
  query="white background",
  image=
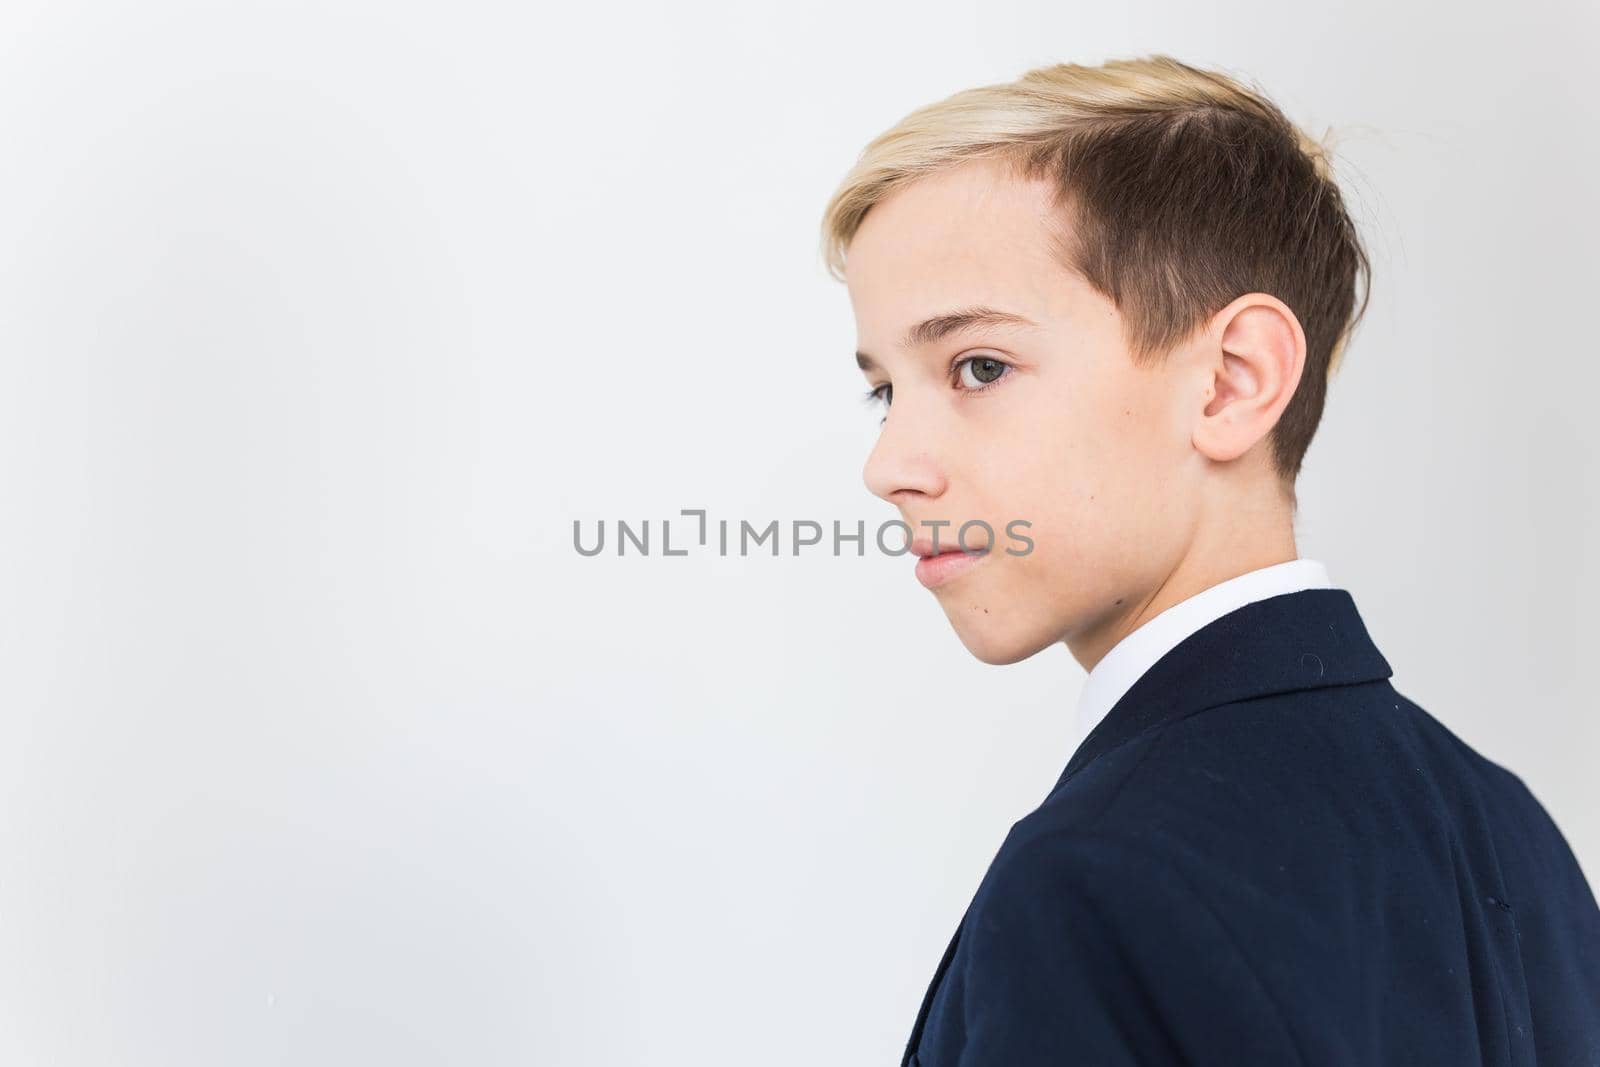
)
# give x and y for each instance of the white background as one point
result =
(319, 326)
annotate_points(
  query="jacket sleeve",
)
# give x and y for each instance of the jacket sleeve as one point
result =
(1090, 951)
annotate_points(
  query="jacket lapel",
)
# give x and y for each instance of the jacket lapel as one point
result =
(909, 1058)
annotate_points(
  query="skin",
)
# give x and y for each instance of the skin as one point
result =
(1142, 486)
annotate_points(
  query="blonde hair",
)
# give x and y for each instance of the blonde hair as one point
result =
(1179, 190)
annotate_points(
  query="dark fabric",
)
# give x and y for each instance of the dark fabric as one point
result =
(1264, 854)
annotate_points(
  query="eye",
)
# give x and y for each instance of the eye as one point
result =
(977, 373)
(880, 394)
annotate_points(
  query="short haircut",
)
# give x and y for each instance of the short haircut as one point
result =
(1180, 189)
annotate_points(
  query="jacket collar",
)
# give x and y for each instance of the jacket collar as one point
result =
(1301, 640)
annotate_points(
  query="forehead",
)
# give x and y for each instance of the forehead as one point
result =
(969, 234)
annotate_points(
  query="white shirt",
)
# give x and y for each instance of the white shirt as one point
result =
(1136, 653)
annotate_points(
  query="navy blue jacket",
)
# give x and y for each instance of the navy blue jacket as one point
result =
(1265, 855)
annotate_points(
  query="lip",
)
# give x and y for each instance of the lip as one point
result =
(934, 571)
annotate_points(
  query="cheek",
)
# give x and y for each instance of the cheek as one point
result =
(1086, 473)
(1082, 459)
(1056, 451)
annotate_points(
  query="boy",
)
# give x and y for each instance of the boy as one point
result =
(1107, 301)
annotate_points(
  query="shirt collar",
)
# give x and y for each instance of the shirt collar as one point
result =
(1129, 658)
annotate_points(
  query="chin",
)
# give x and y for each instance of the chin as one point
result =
(989, 639)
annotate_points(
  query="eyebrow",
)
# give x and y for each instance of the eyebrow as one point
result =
(939, 327)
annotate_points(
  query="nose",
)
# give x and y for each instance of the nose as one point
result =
(903, 462)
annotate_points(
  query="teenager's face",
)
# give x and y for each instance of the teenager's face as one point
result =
(1060, 430)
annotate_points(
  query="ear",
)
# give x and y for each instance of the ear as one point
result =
(1250, 369)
